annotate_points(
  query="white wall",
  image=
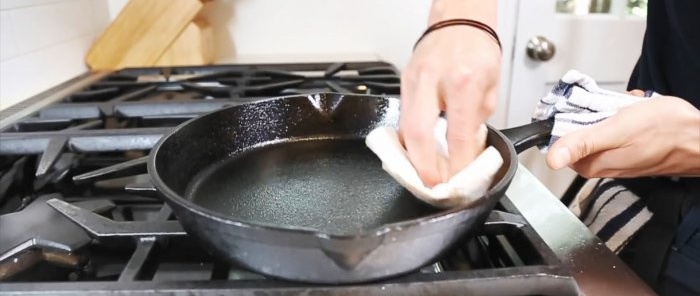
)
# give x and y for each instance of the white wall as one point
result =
(43, 43)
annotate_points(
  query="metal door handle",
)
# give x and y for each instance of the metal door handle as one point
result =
(540, 49)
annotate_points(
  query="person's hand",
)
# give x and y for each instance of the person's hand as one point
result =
(657, 137)
(455, 69)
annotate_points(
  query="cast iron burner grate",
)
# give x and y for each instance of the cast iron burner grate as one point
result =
(137, 242)
(78, 215)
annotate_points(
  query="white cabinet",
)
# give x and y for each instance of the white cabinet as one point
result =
(604, 45)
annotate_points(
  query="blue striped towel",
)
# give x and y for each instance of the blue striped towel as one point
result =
(576, 101)
(612, 212)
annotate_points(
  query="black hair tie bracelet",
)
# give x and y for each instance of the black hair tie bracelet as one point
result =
(462, 22)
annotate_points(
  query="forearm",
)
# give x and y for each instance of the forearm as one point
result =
(485, 11)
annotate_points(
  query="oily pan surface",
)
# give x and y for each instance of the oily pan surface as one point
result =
(329, 185)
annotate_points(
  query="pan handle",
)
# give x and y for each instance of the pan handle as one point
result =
(526, 136)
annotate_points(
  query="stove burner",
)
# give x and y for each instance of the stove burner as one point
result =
(46, 236)
(101, 227)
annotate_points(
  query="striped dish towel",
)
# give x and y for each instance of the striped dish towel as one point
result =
(609, 210)
(576, 101)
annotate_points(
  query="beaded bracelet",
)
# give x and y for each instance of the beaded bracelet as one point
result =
(464, 22)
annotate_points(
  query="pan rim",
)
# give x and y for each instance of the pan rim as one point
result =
(445, 214)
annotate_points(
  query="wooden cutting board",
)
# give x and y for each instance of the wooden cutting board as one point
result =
(141, 33)
(194, 46)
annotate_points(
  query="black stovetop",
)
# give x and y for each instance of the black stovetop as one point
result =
(76, 217)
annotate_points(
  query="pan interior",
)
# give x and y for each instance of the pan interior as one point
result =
(332, 185)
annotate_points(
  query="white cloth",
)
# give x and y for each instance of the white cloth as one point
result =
(611, 211)
(576, 101)
(462, 189)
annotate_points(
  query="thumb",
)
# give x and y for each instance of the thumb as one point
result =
(579, 144)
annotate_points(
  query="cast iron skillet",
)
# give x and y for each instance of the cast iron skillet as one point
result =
(286, 187)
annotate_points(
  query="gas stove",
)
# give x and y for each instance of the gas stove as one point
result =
(77, 216)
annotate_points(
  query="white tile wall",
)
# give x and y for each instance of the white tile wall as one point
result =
(8, 43)
(29, 74)
(44, 42)
(50, 24)
(12, 4)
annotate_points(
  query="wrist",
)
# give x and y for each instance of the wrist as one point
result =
(445, 25)
(689, 144)
(484, 11)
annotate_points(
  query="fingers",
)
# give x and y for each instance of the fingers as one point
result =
(636, 92)
(584, 142)
(465, 116)
(599, 165)
(614, 163)
(430, 83)
(420, 110)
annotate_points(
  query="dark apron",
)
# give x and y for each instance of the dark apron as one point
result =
(665, 253)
